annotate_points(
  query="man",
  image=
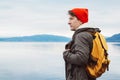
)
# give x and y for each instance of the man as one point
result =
(77, 51)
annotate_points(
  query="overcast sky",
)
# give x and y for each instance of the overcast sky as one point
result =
(31, 17)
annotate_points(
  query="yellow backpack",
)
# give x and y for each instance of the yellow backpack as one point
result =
(99, 57)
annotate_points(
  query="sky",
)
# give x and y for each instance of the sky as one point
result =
(33, 17)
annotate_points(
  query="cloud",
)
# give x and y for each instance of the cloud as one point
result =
(26, 17)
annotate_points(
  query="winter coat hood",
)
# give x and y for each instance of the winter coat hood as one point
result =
(87, 29)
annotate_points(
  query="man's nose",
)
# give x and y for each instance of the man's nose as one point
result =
(69, 22)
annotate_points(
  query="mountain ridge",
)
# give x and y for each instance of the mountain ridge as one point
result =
(114, 38)
(37, 38)
(50, 38)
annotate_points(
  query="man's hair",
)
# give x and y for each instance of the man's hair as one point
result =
(71, 13)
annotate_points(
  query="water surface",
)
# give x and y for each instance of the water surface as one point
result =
(44, 61)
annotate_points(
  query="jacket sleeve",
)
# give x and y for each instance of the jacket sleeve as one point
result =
(80, 53)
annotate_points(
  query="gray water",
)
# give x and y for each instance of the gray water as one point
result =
(44, 61)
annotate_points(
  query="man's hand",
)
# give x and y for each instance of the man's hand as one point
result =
(65, 53)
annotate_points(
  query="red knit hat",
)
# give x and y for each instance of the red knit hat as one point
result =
(81, 14)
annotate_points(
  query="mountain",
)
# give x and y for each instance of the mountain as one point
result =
(37, 38)
(114, 38)
(50, 38)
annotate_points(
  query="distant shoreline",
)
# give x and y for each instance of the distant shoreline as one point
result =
(50, 38)
(37, 38)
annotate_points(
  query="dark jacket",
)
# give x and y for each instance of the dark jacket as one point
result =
(76, 58)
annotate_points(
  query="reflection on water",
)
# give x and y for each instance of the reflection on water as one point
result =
(44, 61)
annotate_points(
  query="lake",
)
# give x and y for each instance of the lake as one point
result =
(44, 61)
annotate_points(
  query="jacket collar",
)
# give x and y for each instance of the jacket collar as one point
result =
(82, 26)
(86, 29)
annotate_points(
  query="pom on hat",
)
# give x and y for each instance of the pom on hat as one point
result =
(81, 14)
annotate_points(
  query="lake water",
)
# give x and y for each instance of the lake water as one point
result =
(44, 61)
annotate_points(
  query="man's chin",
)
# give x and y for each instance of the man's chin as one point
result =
(72, 29)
